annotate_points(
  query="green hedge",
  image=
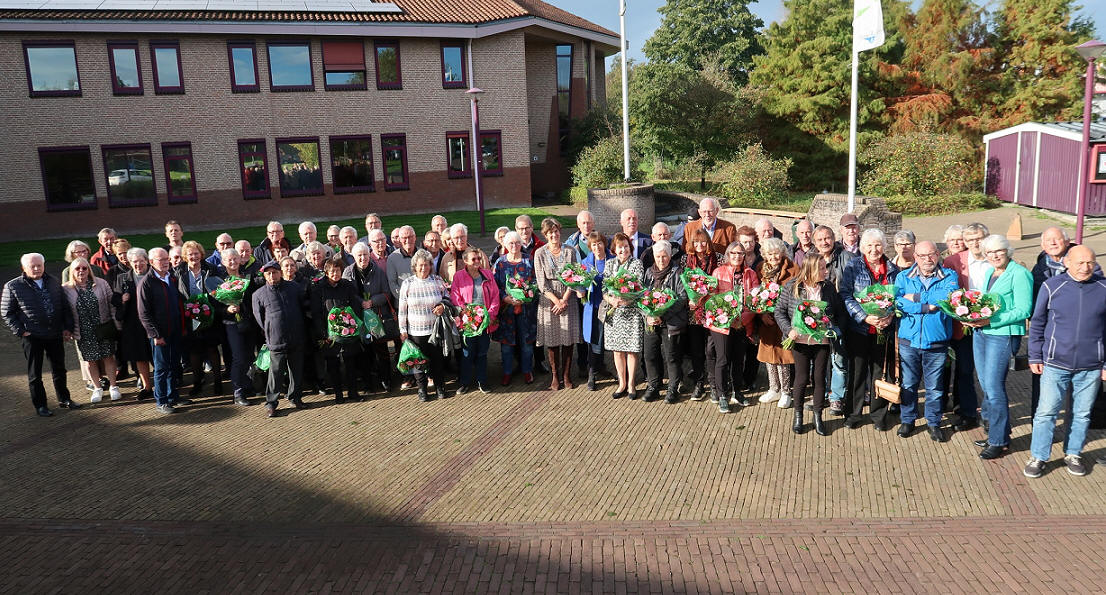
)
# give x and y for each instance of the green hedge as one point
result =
(942, 204)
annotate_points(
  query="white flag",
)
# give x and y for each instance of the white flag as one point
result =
(867, 25)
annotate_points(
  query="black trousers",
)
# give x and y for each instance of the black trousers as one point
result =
(35, 348)
(290, 361)
(725, 357)
(806, 358)
(341, 368)
(434, 361)
(750, 367)
(866, 361)
(662, 353)
(695, 341)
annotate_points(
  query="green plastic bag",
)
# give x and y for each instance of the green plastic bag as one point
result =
(263, 361)
(370, 321)
(410, 358)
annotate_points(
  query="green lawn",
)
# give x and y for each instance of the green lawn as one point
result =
(54, 250)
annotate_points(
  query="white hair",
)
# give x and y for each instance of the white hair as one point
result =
(26, 259)
(347, 229)
(224, 235)
(373, 233)
(873, 234)
(662, 246)
(359, 246)
(773, 245)
(954, 230)
(407, 228)
(135, 252)
(333, 228)
(223, 254)
(154, 252)
(661, 225)
(307, 225)
(710, 202)
(512, 235)
(997, 242)
(457, 228)
(762, 221)
(276, 224)
(525, 218)
(315, 246)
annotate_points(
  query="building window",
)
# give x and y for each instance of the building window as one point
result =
(51, 68)
(458, 155)
(130, 171)
(67, 178)
(351, 163)
(343, 65)
(290, 66)
(387, 65)
(165, 58)
(126, 76)
(564, 94)
(255, 171)
(243, 67)
(453, 65)
(300, 171)
(179, 172)
(491, 153)
(395, 161)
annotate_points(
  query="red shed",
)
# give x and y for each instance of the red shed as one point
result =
(1035, 164)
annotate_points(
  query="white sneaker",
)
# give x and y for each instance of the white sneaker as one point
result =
(769, 396)
(114, 393)
(785, 402)
(207, 367)
(97, 395)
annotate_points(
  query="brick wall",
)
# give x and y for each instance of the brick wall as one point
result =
(606, 207)
(826, 209)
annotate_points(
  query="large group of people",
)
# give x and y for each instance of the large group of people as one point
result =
(125, 307)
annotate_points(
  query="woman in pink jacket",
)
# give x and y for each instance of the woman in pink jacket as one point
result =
(475, 285)
(726, 347)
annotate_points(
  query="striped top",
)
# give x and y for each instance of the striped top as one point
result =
(417, 299)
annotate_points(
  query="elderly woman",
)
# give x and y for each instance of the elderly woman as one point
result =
(500, 248)
(95, 331)
(312, 273)
(727, 346)
(518, 321)
(119, 249)
(592, 325)
(290, 270)
(776, 268)
(340, 356)
(422, 298)
(474, 284)
(132, 339)
(558, 312)
(998, 338)
(371, 283)
(701, 256)
(810, 355)
(867, 339)
(196, 276)
(623, 324)
(954, 241)
(663, 333)
(74, 250)
(904, 249)
(237, 323)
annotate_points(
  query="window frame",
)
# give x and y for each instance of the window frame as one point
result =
(406, 184)
(91, 175)
(354, 87)
(234, 86)
(254, 194)
(160, 89)
(565, 129)
(280, 178)
(463, 83)
(498, 134)
(115, 88)
(55, 43)
(130, 202)
(467, 172)
(372, 170)
(275, 88)
(165, 159)
(382, 86)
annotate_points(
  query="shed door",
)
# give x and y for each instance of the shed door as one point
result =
(1027, 167)
(1002, 166)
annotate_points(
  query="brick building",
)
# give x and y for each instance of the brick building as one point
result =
(127, 113)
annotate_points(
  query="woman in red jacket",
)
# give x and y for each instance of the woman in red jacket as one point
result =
(728, 345)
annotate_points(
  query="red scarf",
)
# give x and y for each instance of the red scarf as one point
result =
(879, 275)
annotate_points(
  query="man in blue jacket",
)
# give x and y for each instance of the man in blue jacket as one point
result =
(1066, 339)
(279, 309)
(924, 335)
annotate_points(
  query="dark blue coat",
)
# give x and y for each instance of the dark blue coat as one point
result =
(279, 311)
(25, 312)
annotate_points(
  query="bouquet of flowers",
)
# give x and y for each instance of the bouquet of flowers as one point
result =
(198, 310)
(969, 305)
(698, 284)
(576, 276)
(232, 292)
(472, 320)
(762, 299)
(342, 325)
(877, 300)
(623, 285)
(719, 313)
(410, 358)
(810, 319)
(522, 290)
(655, 302)
(374, 328)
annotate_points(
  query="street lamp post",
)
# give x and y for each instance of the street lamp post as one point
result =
(474, 94)
(1090, 51)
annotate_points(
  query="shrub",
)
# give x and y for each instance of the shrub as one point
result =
(919, 164)
(752, 177)
(941, 204)
(600, 165)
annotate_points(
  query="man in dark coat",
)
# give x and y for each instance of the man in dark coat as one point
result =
(161, 311)
(279, 308)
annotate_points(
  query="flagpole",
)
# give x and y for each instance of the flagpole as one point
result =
(852, 131)
(625, 92)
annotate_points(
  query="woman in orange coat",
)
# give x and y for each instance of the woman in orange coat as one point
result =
(729, 345)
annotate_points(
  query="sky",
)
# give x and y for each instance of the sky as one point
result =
(642, 17)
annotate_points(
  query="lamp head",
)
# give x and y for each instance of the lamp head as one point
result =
(1091, 50)
(476, 91)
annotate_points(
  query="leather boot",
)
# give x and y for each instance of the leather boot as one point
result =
(797, 426)
(819, 427)
(566, 366)
(672, 396)
(593, 369)
(551, 357)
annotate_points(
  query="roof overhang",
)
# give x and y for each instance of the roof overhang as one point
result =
(1067, 133)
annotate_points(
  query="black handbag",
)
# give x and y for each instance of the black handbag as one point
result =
(106, 331)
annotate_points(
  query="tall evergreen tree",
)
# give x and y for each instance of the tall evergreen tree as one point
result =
(696, 32)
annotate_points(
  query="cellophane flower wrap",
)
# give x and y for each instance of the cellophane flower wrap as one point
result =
(576, 276)
(655, 302)
(264, 360)
(722, 310)
(342, 325)
(812, 320)
(877, 300)
(521, 289)
(411, 358)
(472, 320)
(197, 309)
(762, 298)
(623, 285)
(232, 292)
(371, 324)
(698, 284)
(969, 305)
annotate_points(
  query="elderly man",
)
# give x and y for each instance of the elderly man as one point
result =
(398, 266)
(278, 308)
(661, 231)
(309, 233)
(924, 335)
(638, 241)
(222, 242)
(372, 221)
(524, 225)
(104, 258)
(347, 239)
(970, 266)
(161, 312)
(452, 261)
(334, 240)
(804, 234)
(765, 229)
(849, 227)
(1066, 336)
(274, 232)
(722, 233)
(249, 265)
(378, 248)
(432, 243)
(36, 311)
(174, 234)
(836, 258)
(578, 241)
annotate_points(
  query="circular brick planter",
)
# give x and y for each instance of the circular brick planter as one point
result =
(606, 206)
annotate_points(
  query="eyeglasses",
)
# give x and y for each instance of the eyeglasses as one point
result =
(903, 245)
(995, 252)
(927, 255)
(736, 253)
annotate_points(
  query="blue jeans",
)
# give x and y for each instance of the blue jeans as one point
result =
(526, 358)
(1055, 384)
(167, 370)
(922, 366)
(474, 357)
(992, 358)
(837, 375)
